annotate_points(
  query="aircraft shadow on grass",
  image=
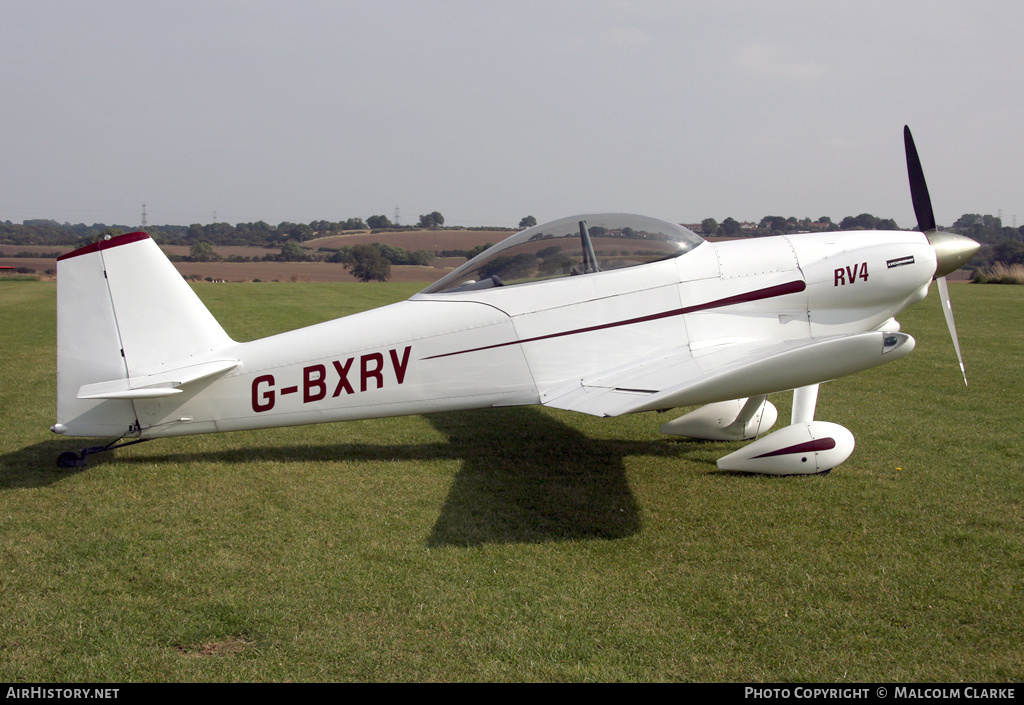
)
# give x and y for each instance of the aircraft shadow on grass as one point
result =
(525, 477)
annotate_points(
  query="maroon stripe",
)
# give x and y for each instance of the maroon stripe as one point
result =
(808, 447)
(792, 287)
(106, 244)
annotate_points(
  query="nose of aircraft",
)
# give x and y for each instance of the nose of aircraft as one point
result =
(951, 250)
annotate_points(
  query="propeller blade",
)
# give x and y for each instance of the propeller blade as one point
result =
(918, 187)
(947, 311)
(952, 250)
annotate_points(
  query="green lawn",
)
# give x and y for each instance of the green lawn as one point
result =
(520, 544)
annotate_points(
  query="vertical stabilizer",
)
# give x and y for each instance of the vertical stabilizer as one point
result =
(123, 312)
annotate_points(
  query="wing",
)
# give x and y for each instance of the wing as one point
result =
(729, 369)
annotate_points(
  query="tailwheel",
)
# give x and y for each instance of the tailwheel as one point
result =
(71, 460)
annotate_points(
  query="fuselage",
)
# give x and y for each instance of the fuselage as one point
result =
(518, 343)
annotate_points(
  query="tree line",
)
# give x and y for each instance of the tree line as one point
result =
(779, 225)
(256, 234)
(999, 243)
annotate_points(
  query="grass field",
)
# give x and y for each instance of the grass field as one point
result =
(520, 544)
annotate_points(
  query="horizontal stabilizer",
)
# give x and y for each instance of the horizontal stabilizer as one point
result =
(157, 385)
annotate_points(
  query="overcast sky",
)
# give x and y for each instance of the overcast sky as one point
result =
(491, 110)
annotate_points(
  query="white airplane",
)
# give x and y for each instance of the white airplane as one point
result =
(604, 314)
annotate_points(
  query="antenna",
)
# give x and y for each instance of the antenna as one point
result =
(143, 226)
(396, 215)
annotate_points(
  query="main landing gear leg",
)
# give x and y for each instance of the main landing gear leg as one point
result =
(71, 459)
(805, 399)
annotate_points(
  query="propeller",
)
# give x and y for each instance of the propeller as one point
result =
(952, 250)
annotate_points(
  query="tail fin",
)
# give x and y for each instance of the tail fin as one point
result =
(127, 326)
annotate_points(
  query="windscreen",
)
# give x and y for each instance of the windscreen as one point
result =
(577, 246)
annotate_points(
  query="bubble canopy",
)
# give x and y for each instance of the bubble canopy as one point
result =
(578, 245)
